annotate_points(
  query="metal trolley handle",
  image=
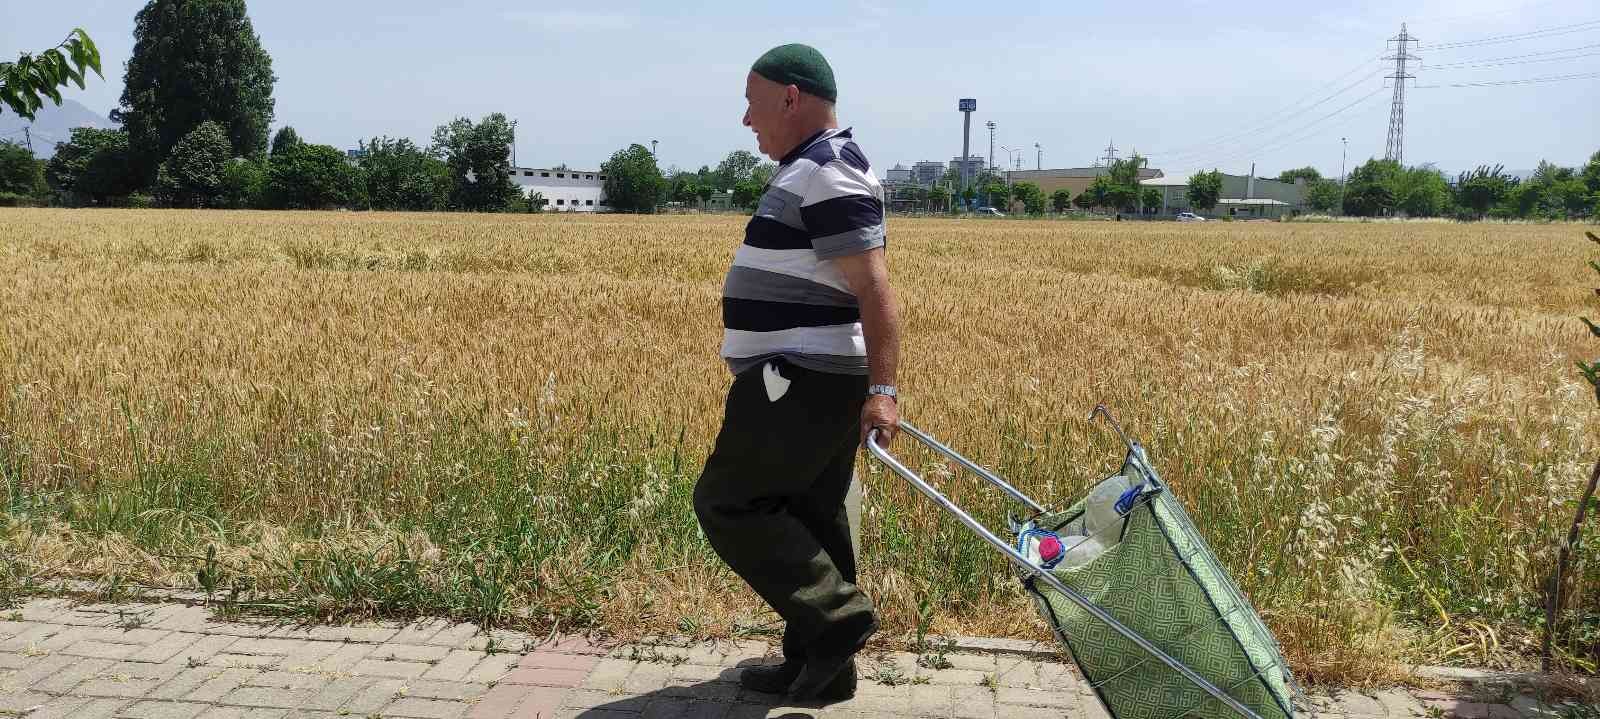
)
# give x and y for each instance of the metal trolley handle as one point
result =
(1021, 560)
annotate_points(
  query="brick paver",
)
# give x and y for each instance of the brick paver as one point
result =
(176, 661)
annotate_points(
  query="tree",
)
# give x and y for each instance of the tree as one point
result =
(938, 198)
(1150, 198)
(20, 174)
(93, 166)
(996, 193)
(1205, 189)
(192, 175)
(746, 194)
(1309, 173)
(194, 61)
(401, 176)
(736, 168)
(479, 161)
(1097, 194)
(1125, 172)
(24, 81)
(1370, 189)
(244, 184)
(285, 138)
(762, 173)
(1323, 195)
(312, 177)
(1591, 173)
(1060, 200)
(1483, 188)
(1421, 192)
(633, 182)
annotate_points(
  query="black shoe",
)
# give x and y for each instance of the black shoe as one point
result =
(826, 679)
(827, 662)
(769, 678)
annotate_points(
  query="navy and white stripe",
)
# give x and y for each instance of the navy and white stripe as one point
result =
(784, 296)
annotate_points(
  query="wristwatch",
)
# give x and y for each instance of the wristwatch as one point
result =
(886, 390)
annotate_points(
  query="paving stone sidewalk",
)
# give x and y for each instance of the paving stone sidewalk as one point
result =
(175, 661)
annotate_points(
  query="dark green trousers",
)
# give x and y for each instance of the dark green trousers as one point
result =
(771, 501)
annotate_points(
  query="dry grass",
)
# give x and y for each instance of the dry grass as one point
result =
(501, 417)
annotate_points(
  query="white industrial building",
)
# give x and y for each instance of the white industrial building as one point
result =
(563, 190)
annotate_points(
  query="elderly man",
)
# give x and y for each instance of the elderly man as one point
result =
(811, 335)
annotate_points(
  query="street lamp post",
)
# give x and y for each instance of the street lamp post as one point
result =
(653, 148)
(1344, 152)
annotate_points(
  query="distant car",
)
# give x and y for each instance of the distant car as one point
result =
(1190, 217)
(990, 211)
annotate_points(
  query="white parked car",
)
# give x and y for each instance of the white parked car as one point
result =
(1190, 217)
(991, 212)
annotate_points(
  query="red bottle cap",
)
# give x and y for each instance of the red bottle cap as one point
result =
(1049, 549)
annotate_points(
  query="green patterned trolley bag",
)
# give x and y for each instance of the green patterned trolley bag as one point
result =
(1153, 620)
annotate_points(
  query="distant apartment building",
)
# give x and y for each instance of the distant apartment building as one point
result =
(899, 174)
(969, 168)
(563, 190)
(927, 172)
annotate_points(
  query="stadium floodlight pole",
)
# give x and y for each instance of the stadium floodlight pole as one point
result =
(967, 105)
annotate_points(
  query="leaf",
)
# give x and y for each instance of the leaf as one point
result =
(1593, 328)
(1591, 237)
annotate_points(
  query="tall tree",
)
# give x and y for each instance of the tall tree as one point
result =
(22, 83)
(1591, 172)
(194, 61)
(633, 182)
(192, 175)
(92, 166)
(479, 157)
(1205, 189)
(763, 172)
(736, 168)
(1150, 198)
(1422, 192)
(401, 176)
(1060, 200)
(1309, 173)
(284, 139)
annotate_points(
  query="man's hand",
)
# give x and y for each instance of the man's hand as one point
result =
(883, 414)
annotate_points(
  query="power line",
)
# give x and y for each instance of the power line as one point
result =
(1528, 81)
(1277, 120)
(1486, 65)
(1274, 117)
(1287, 137)
(1530, 35)
(1518, 57)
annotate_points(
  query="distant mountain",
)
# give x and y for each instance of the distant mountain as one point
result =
(51, 125)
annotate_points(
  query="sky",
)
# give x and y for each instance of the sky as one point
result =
(1192, 85)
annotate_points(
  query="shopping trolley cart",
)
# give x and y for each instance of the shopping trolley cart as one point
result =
(1134, 595)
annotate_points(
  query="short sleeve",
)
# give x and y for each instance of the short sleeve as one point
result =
(842, 211)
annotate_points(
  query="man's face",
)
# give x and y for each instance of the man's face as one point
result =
(766, 114)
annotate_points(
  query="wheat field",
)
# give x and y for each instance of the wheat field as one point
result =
(330, 415)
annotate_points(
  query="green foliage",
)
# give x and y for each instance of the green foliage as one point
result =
(313, 177)
(1370, 189)
(938, 198)
(1591, 173)
(1205, 189)
(22, 83)
(1309, 173)
(1095, 194)
(194, 61)
(633, 182)
(478, 157)
(244, 184)
(1125, 172)
(1422, 192)
(995, 193)
(401, 176)
(1150, 199)
(284, 139)
(684, 188)
(1323, 195)
(737, 167)
(1483, 188)
(762, 174)
(20, 174)
(192, 174)
(1061, 199)
(92, 167)
(746, 194)
(1029, 194)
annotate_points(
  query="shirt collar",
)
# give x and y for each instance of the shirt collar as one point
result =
(820, 136)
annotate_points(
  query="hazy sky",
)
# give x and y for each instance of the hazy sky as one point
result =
(1195, 84)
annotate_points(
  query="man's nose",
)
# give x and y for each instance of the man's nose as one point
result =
(747, 117)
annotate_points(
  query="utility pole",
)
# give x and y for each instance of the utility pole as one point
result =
(1395, 147)
(990, 124)
(653, 148)
(1111, 154)
(1039, 162)
(27, 134)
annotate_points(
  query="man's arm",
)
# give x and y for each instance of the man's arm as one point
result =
(867, 273)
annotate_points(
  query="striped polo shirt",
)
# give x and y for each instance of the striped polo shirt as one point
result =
(784, 296)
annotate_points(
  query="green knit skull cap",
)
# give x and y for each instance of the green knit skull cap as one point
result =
(801, 66)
